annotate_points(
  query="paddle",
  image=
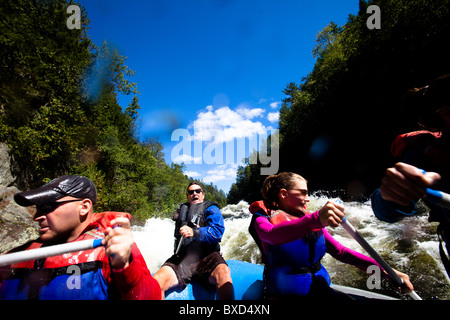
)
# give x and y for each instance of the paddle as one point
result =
(50, 251)
(180, 242)
(183, 218)
(438, 197)
(371, 251)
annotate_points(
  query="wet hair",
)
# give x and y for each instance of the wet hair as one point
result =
(274, 183)
(423, 102)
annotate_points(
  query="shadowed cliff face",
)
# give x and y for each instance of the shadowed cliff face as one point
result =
(16, 224)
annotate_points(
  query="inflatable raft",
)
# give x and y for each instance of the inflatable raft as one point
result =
(248, 285)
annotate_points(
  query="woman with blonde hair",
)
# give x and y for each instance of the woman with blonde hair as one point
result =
(293, 241)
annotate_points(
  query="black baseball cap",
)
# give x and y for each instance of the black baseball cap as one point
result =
(68, 185)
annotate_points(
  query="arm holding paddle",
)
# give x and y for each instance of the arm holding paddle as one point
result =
(132, 277)
(118, 243)
(332, 214)
(402, 186)
(405, 183)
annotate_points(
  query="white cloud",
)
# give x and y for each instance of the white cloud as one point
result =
(186, 159)
(224, 124)
(223, 172)
(192, 174)
(250, 113)
(273, 116)
(275, 105)
(262, 100)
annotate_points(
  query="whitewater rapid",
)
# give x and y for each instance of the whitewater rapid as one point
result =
(410, 246)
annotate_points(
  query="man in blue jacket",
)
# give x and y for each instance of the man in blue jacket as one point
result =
(198, 230)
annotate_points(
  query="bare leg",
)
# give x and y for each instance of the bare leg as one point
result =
(221, 278)
(166, 278)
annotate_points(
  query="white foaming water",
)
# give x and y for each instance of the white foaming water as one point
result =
(156, 238)
(410, 246)
(236, 241)
(155, 241)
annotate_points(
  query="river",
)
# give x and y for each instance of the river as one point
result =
(410, 246)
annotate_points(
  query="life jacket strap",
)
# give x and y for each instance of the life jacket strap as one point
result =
(50, 273)
(315, 267)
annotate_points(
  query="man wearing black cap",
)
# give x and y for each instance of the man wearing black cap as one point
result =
(64, 210)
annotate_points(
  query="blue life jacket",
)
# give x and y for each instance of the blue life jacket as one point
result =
(291, 267)
(83, 281)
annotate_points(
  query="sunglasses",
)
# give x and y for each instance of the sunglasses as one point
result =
(302, 191)
(191, 192)
(52, 206)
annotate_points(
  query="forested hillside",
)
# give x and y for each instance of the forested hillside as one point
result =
(59, 113)
(337, 123)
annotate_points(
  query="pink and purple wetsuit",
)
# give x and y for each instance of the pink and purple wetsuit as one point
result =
(292, 251)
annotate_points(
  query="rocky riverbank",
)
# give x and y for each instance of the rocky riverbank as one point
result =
(16, 224)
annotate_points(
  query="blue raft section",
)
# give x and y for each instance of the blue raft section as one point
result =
(247, 281)
(248, 285)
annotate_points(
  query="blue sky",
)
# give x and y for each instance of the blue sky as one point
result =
(213, 69)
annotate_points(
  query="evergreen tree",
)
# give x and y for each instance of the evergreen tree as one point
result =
(59, 113)
(337, 125)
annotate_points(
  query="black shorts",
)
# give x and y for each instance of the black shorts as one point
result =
(200, 270)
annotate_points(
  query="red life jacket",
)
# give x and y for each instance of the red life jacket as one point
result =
(426, 143)
(417, 139)
(76, 275)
